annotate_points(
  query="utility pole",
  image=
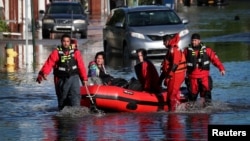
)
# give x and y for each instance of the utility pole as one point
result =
(26, 27)
(33, 32)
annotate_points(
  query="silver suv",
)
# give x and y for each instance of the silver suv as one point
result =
(128, 29)
(64, 17)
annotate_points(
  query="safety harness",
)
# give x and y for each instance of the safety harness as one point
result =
(66, 66)
(181, 66)
(201, 60)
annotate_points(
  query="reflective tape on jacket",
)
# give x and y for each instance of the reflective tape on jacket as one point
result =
(201, 60)
(66, 66)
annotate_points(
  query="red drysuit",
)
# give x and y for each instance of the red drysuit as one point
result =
(198, 66)
(173, 69)
(148, 76)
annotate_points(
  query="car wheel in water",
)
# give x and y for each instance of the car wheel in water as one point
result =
(45, 34)
(84, 35)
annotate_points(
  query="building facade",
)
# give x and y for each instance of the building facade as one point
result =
(18, 14)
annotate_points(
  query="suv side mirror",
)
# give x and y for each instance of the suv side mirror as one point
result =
(185, 21)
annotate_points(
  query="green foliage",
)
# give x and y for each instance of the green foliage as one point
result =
(3, 26)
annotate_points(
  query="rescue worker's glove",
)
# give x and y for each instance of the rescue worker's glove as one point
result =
(169, 76)
(175, 40)
(85, 82)
(40, 77)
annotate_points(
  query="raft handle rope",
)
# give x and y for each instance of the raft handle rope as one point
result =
(96, 90)
(93, 107)
(89, 96)
(93, 94)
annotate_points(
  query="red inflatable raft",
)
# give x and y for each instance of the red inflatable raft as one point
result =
(118, 99)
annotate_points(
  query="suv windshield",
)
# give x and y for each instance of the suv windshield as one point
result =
(150, 18)
(62, 9)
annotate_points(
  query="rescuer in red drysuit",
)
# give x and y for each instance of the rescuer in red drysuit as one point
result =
(199, 57)
(173, 70)
(148, 76)
(147, 73)
(68, 69)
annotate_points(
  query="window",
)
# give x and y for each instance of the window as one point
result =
(149, 18)
(61, 9)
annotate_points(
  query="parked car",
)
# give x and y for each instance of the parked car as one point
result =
(210, 2)
(64, 17)
(131, 28)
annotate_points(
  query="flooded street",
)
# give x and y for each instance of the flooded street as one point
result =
(28, 110)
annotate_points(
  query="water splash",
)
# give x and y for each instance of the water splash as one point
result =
(73, 112)
(197, 107)
(77, 112)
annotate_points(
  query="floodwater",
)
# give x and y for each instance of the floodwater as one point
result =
(28, 111)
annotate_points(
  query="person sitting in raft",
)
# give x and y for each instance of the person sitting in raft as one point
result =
(147, 73)
(148, 77)
(97, 71)
(98, 75)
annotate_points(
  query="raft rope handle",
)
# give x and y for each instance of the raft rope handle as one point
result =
(94, 93)
(97, 90)
(89, 96)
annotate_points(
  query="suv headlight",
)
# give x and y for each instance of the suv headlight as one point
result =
(137, 35)
(79, 21)
(48, 21)
(184, 32)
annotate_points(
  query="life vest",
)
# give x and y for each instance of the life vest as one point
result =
(181, 66)
(66, 66)
(94, 70)
(201, 60)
